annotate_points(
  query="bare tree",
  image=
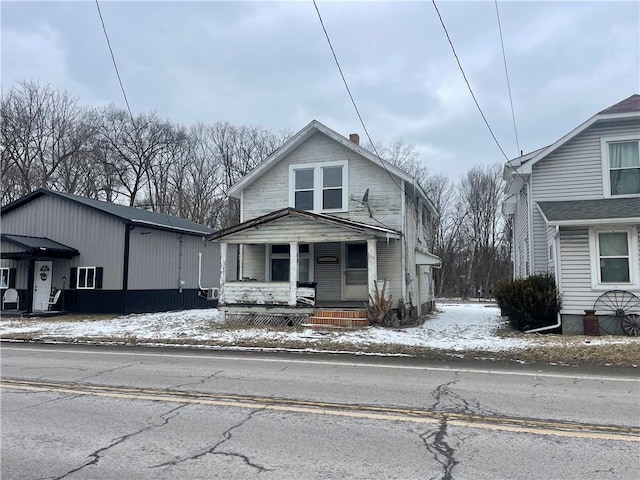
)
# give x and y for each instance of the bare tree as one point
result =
(43, 132)
(481, 195)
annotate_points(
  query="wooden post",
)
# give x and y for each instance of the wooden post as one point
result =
(293, 273)
(223, 270)
(372, 265)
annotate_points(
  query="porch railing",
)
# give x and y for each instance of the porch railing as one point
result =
(265, 293)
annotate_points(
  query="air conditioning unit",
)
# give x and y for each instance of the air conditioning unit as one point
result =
(213, 293)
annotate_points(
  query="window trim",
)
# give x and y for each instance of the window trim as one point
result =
(604, 155)
(318, 186)
(86, 269)
(594, 258)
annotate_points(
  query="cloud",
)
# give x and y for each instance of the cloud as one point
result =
(33, 54)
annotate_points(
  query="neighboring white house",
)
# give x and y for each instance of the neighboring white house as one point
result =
(576, 213)
(323, 221)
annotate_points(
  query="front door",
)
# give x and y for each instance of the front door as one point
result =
(355, 272)
(42, 285)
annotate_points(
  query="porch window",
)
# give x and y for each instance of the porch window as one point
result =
(613, 257)
(279, 263)
(319, 187)
(621, 165)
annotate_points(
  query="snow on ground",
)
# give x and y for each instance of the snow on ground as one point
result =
(455, 326)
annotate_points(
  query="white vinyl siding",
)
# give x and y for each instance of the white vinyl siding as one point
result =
(574, 171)
(577, 295)
(521, 237)
(270, 192)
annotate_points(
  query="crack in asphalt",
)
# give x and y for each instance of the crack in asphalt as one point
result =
(442, 452)
(435, 441)
(64, 397)
(106, 371)
(97, 454)
(227, 435)
(201, 381)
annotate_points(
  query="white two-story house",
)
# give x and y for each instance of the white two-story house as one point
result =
(323, 221)
(576, 214)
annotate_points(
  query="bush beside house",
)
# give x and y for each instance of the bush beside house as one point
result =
(530, 303)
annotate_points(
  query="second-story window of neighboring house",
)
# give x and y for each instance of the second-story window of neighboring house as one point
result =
(624, 167)
(319, 187)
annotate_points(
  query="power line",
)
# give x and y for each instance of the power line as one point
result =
(353, 102)
(467, 81)
(115, 65)
(506, 72)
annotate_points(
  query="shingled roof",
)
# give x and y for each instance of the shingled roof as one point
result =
(631, 104)
(602, 210)
(135, 216)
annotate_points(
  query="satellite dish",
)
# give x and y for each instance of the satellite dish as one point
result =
(365, 197)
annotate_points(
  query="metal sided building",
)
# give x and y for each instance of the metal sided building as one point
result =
(103, 257)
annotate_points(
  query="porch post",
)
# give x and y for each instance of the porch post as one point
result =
(223, 270)
(372, 265)
(293, 273)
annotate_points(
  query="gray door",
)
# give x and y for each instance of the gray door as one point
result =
(42, 285)
(355, 271)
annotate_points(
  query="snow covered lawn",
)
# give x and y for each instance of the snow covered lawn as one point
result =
(455, 327)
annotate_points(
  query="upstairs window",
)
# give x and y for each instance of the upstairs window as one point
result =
(319, 187)
(621, 164)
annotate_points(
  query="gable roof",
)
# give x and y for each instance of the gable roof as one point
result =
(627, 108)
(318, 217)
(306, 133)
(607, 210)
(631, 104)
(38, 245)
(135, 216)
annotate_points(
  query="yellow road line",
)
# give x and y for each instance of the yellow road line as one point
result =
(508, 424)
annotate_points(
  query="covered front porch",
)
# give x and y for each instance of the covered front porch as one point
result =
(297, 262)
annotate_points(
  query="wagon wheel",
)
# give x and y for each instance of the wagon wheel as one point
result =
(618, 306)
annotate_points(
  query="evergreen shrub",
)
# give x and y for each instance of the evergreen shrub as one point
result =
(531, 302)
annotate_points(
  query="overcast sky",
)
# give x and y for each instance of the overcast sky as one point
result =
(269, 64)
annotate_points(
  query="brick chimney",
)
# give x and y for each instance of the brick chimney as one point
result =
(355, 138)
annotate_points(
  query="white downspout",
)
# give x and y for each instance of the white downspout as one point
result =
(558, 281)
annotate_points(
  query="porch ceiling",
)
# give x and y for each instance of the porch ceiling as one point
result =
(289, 224)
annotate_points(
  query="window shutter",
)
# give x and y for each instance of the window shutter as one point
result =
(98, 279)
(73, 278)
(12, 277)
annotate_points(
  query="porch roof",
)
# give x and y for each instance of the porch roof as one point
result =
(587, 212)
(37, 247)
(290, 221)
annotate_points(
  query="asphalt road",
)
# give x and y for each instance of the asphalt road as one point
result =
(79, 412)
